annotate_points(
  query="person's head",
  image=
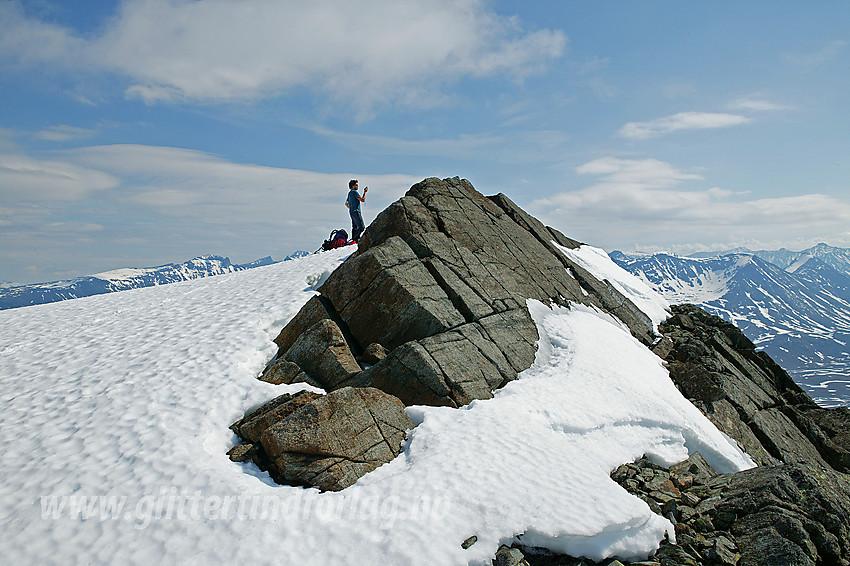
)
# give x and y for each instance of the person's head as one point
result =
(352, 184)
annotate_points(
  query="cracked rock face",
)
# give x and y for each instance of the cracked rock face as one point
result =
(440, 282)
(431, 310)
(325, 441)
(750, 398)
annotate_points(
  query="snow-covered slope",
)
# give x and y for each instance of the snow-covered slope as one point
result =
(15, 296)
(799, 315)
(114, 412)
(686, 280)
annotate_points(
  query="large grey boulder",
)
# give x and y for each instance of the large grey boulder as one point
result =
(323, 441)
(335, 439)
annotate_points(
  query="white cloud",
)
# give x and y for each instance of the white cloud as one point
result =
(212, 190)
(757, 104)
(361, 53)
(72, 227)
(681, 121)
(648, 173)
(522, 146)
(28, 41)
(167, 204)
(63, 133)
(801, 211)
(25, 178)
(646, 202)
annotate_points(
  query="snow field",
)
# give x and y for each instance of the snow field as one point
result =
(129, 395)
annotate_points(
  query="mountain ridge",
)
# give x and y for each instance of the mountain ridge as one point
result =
(122, 279)
(835, 257)
(800, 314)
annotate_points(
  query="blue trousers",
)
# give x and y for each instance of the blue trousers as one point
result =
(357, 225)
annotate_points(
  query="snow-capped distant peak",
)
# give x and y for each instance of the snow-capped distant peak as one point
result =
(743, 259)
(121, 279)
(122, 273)
(687, 279)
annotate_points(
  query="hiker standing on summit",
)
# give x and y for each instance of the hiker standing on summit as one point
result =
(353, 204)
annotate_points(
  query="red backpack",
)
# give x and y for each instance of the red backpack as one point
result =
(337, 239)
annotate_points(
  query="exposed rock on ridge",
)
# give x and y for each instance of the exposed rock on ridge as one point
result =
(793, 514)
(431, 310)
(794, 509)
(750, 398)
(440, 281)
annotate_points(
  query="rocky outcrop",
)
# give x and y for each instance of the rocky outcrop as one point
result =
(793, 514)
(431, 310)
(831, 433)
(750, 398)
(787, 514)
(439, 284)
(324, 441)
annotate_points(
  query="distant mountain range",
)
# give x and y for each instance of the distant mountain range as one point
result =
(13, 296)
(837, 258)
(794, 305)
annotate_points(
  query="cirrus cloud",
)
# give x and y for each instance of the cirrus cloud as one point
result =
(757, 104)
(681, 121)
(513, 146)
(63, 132)
(164, 203)
(26, 178)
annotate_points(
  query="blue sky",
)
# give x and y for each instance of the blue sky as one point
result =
(143, 132)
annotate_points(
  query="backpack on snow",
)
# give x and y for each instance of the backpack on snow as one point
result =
(337, 239)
